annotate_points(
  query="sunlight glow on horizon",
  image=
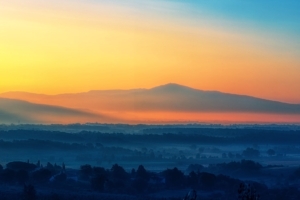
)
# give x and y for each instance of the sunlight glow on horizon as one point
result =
(54, 47)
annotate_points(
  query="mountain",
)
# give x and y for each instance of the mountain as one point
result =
(183, 98)
(19, 111)
(165, 98)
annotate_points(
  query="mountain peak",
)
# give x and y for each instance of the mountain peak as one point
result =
(171, 87)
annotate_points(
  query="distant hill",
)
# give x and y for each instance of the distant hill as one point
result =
(169, 98)
(18, 111)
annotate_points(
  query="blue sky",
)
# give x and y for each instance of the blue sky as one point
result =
(277, 15)
(264, 15)
(266, 12)
(255, 42)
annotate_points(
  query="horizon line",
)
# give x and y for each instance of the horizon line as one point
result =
(151, 88)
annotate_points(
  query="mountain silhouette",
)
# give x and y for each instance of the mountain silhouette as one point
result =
(170, 97)
(19, 111)
(182, 98)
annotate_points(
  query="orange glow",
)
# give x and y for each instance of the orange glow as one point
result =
(79, 49)
(223, 118)
(54, 48)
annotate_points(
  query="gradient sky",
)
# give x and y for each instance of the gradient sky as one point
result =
(241, 47)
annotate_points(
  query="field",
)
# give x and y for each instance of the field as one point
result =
(239, 153)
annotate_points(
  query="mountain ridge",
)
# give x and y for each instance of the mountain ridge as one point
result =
(14, 110)
(165, 88)
(166, 98)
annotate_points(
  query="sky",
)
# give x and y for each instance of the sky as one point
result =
(238, 47)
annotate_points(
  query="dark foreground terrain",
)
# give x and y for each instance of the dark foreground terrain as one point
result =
(95, 161)
(24, 180)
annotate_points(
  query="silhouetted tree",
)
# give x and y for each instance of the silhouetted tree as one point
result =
(49, 166)
(118, 172)
(249, 165)
(61, 177)
(243, 165)
(192, 179)
(86, 172)
(98, 182)
(296, 174)
(250, 153)
(38, 164)
(29, 192)
(99, 171)
(230, 155)
(207, 180)
(8, 175)
(63, 166)
(246, 192)
(133, 173)
(118, 179)
(53, 168)
(54, 196)
(192, 195)
(42, 175)
(174, 177)
(22, 176)
(271, 152)
(140, 182)
(194, 167)
(18, 165)
(142, 173)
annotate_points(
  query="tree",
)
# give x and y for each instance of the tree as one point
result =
(22, 176)
(140, 182)
(99, 178)
(230, 155)
(38, 164)
(194, 167)
(85, 172)
(249, 165)
(29, 192)
(296, 174)
(118, 172)
(246, 192)
(192, 179)
(244, 165)
(98, 182)
(117, 180)
(224, 155)
(250, 152)
(42, 175)
(192, 195)
(53, 168)
(207, 179)
(142, 173)
(99, 171)
(18, 165)
(8, 175)
(174, 177)
(271, 152)
(61, 177)
(133, 173)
